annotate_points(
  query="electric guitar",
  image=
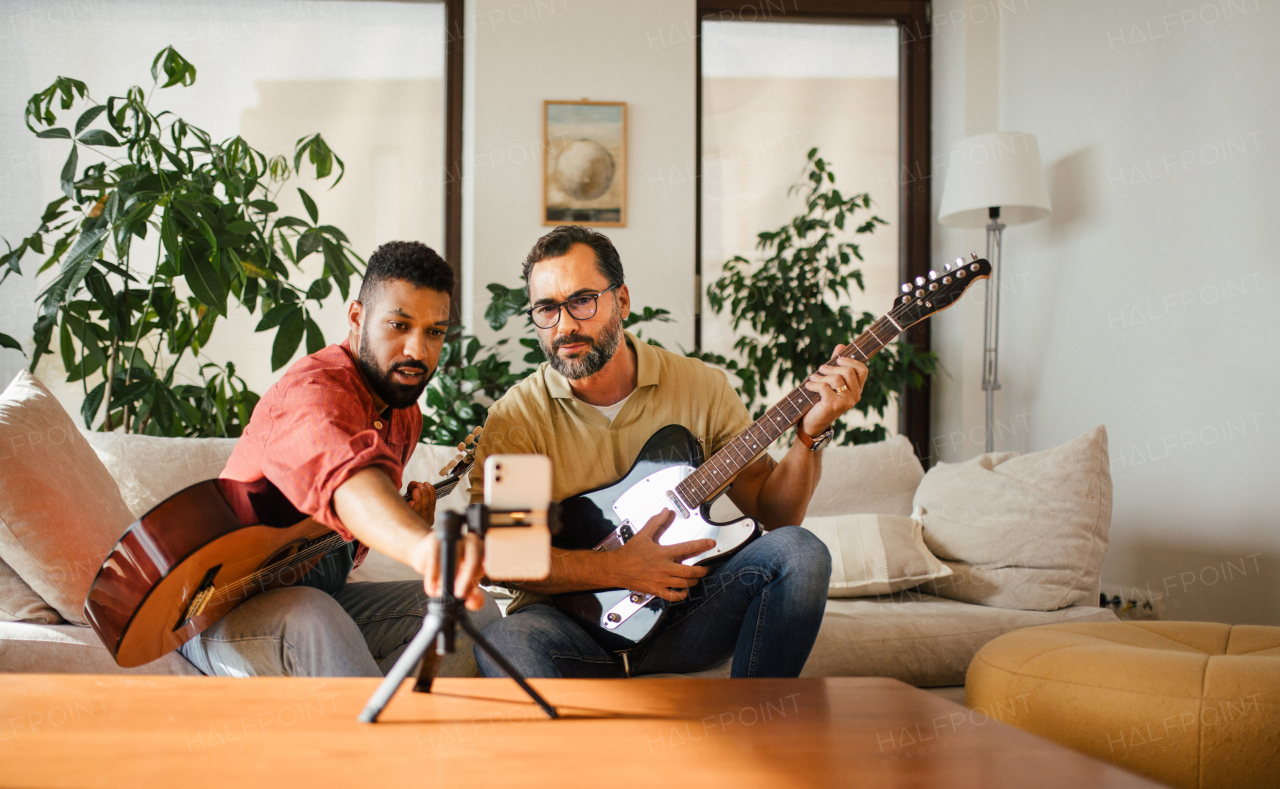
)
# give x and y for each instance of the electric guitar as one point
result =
(670, 474)
(203, 551)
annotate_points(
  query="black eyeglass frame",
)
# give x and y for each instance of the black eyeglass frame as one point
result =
(564, 305)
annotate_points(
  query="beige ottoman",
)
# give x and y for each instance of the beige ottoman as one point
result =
(1192, 704)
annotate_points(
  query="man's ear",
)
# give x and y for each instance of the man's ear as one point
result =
(624, 301)
(355, 317)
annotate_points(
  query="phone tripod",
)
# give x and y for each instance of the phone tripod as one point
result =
(443, 615)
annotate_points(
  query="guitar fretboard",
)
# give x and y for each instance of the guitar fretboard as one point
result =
(724, 465)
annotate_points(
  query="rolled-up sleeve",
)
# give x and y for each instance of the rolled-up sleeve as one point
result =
(320, 440)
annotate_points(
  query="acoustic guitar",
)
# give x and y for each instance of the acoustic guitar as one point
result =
(205, 550)
(670, 474)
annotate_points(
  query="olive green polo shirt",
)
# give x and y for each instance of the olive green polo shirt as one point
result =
(541, 415)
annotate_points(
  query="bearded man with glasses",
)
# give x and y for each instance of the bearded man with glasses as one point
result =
(591, 407)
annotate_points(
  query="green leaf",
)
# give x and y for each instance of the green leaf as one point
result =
(87, 117)
(288, 338)
(58, 134)
(308, 243)
(175, 66)
(315, 337)
(203, 279)
(265, 206)
(320, 290)
(99, 137)
(8, 342)
(69, 172)
(92, 402)
(310, 205)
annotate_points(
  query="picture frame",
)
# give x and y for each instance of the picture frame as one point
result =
(584, 163)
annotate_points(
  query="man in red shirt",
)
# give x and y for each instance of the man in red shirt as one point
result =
(334, 434)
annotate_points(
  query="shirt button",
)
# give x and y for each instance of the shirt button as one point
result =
(377, 425)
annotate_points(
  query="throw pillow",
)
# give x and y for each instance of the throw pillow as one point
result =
(20, 603)
(880, 477)
(1026, 532)
(150, 469)
(60, 510)
(875, 554)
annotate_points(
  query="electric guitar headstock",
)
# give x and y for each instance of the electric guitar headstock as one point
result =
(939, 290)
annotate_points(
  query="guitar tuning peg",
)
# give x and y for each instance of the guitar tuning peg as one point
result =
(959, 262)
(919, 280)
(469, 440)
(479, 429)
(444, 470)
(462, 448)
(933, 274)
(906, 287)
(946, 266)
(973, 255)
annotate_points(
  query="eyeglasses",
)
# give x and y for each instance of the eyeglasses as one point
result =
(582, 308)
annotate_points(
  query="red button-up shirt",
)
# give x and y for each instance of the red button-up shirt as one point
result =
(316, 427)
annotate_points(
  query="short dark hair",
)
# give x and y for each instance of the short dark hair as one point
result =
(559, 241)
(411, 261)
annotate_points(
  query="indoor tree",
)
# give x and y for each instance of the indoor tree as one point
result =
(794, 299)
(123, 327)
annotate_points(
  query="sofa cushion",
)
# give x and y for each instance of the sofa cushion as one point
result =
(880, 478)
(875, 554)
(150, 469)
(1021, 531)
(20, 603)
(60, 510)
(922, 640)
(68, 649)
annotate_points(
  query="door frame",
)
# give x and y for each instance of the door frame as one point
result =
(913, 18)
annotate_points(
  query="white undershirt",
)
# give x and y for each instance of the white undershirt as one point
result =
(609, 411)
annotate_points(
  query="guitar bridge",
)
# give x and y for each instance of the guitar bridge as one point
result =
(198, 600)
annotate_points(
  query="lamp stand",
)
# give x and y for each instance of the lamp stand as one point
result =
(990, 334)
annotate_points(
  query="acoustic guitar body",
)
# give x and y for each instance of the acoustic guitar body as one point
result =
(193, 558)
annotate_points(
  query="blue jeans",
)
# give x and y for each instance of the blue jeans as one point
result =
(303, 631)
(763, 606)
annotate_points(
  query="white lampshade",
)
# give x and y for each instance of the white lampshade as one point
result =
(998, 169)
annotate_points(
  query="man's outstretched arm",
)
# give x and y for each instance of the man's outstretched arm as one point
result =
(376, 514)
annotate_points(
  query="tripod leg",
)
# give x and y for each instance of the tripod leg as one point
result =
(427, 671)
(423, 641)
(464, 622)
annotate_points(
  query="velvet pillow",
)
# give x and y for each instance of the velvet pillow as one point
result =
(60, 510)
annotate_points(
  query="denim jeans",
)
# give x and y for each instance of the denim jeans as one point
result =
(763, 606)
(325, 627)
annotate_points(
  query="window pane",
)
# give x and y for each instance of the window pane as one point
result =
(770, 92)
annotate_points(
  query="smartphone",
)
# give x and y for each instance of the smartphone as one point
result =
(513, 483)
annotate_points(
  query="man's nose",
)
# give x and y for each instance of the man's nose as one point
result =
(568, 324)
(415, 346)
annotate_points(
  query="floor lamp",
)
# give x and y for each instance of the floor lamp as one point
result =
(994, 180)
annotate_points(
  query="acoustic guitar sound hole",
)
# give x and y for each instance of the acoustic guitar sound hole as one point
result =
(282, 565)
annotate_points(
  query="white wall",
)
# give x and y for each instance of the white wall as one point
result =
(1145, 302)
(521, 53)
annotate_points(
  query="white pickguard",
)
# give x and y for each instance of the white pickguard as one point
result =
(650, 496)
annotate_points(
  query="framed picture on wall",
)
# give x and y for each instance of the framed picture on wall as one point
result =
(584, 163)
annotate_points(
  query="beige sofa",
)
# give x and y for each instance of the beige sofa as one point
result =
(921, 639)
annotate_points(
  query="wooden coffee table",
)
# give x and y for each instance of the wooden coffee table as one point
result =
(88, 731)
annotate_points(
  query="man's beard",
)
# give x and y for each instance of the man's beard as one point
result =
(598, 354)
(393, 393)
